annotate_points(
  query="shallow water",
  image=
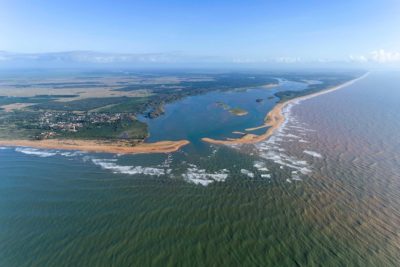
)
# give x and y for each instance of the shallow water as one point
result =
(322, 191)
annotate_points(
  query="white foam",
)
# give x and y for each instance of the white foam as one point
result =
(266, 175)
(312, 153)
(110, 164)
(199, 176)
(260, 166)
(305, 170)
(35, 152)
(296, 177)
(271, 149)
(247, 172)
(48, 153)
(71, 153)
(202, 181)
(292, 128)
(300, 129)
(293, 136)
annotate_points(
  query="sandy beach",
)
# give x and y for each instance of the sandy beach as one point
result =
(273, 121)
(275, 118)
(99, 146)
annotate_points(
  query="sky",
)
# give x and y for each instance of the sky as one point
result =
(283, 31)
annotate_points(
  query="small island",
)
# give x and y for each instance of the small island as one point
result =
(234, 111)
(238, 111)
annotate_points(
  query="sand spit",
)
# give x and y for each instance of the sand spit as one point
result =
(99, 146)
(256, 128)
(275, 118)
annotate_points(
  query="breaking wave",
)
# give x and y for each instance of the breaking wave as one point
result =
(199, 176)
(247, 173)
(312, 153)
(260, 166)
(47, 153)
(292, 130)
(110, 164)
(35, 152)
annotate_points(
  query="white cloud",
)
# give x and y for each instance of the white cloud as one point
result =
(383, 56)
(288, 59)
(361, 59)
(93, 57)
(377, 56)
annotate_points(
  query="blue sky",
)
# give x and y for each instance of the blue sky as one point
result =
(241, 31)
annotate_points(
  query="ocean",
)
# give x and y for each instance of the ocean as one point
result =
(322, 191)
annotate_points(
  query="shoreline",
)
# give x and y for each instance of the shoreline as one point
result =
(99, 146)
(275, 118)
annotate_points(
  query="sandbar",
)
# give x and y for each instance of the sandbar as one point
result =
(100, 145)
(238, 111)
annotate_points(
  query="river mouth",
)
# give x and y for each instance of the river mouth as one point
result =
(325, 185)
(200, 163)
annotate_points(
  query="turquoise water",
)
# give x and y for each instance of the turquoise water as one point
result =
(323, 191)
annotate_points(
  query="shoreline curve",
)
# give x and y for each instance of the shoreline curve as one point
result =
(275, 118)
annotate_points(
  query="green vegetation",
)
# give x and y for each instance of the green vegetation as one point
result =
(130, 105)
(129, 129)
(114, 117)
(225, 81)
(325, 82)
(86, 104)
(19, 125)
(70, 125)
